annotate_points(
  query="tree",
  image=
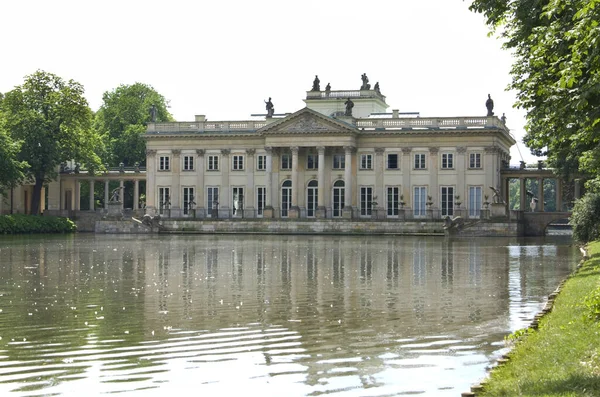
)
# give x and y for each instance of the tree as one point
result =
(52, 120)
(556, 74)
(13, 170)
(122, 121)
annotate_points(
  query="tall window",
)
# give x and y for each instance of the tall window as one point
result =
(261, 199)
(213, 163)
(312, 194)
(447, 200)
(188, 163)
(188, 200)
(420, 161)
(392, 200)
(286, 198)
(474, 160)
(238, 162)
(164, 199)
(419, 200)
(366, 200)
(447, 160)
(339, 161)
(261, 162)
(312, 161)
(366, 161)
(392, 161)
(338, 198)
(237, 199)
(286, 161)
(212, 199)
(164, 163)
(474, 201)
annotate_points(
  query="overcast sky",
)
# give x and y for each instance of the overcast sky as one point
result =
(224, 58)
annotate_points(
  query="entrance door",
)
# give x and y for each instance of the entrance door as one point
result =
(338, 198)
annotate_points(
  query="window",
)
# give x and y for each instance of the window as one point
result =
(261, 162)
(312, 161)
(286, 161)
(447, 200)
(474, 201)
(164, 200)
(420, 161)
(419, 197)
(237, 199)
(475, 160)
(238, 162)
(338, 198)
(366, 200)
(261, 199)
(366, 161)
(312, 196)
(213, 163)
(164, 163)
(447, 160)
(188, 163)
(286, 198)
(188, 200)
(212, 200)
(392, 201)
(392, 161)
(339, 161)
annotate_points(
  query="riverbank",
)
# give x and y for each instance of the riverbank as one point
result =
(561, 357)
(22, 224)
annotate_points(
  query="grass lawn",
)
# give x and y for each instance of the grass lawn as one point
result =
(561, 358)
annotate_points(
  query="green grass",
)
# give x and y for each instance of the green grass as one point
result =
(561, 358)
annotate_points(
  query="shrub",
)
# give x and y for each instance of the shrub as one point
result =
(592, 303)
(19, 223)
(586, 218)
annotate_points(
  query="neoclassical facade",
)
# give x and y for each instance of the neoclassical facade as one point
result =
(342, 156)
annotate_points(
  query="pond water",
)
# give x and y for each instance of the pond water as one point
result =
(264, 315)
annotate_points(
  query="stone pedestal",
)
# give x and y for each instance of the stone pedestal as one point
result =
(294, 212)
(347, 212)
(321, 212)
(114, 209)
(268, 212)
(498, 210)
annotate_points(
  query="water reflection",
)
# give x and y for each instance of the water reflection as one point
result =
(291, 315)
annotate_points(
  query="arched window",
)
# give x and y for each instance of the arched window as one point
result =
(312, 194)
(286, 198)
(338, 198)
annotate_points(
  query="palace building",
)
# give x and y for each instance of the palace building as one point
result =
(342, 156)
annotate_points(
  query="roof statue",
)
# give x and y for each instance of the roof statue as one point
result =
(316, 84)
(327, 89)
(349, 105)
(270, 108)
(376, 88)
(365, 82)
(489, 104)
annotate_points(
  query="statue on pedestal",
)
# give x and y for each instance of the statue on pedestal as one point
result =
(316, 84)
(365, 82)
(349, 105)
(270, 108)
(489, 104)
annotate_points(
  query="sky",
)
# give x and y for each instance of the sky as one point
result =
(223, 58)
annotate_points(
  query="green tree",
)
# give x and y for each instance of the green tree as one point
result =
(52, 120)
(122, 121)
(13, 170)
(556, 74)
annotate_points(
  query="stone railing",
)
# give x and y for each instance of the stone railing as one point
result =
(343, 94)
(431, 123)
(205, 126)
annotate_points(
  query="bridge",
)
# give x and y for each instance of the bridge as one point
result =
(538, 187)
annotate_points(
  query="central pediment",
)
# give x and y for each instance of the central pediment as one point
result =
(307, 121)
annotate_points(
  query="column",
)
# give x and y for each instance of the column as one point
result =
(540, 203)
(77, 203)
(151, 182)
(347, 211)
(268, 212)
(406, 169)
(433, 176)
(122, 193)
(136, 194)
(321, 209)
(175, 198)
(249, 193)
(559, 194)
(379, 182)
(199, 199)
(92, 195)
(106, 199)
(224, 197)
(523, 194)
(577, 188)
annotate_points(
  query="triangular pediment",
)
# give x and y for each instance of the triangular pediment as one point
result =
(308, 121)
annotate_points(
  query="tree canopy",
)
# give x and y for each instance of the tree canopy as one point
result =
(51, 120)
(556, 74)
(122, 121)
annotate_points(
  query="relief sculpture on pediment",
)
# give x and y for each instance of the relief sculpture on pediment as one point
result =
(307, 124)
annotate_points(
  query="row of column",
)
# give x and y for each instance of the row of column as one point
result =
(107, 198)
